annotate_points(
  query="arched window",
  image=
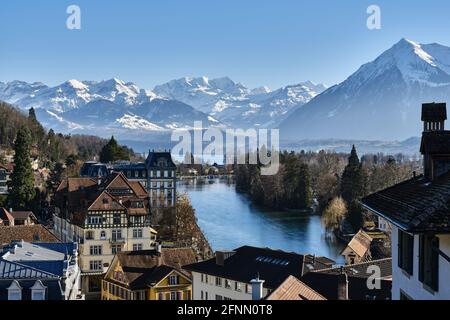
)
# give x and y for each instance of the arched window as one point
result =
(38, 291)
(103, 235)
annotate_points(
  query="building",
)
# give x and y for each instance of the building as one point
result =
(149, 275)
(157, 174)
(248, 273)
(105, 216)
(358, 249)
(5, 173)
(418, 212)
(35, 233)
(17, 218)
(294, 289)
(45, 271)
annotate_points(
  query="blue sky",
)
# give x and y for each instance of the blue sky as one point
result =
(256, 42)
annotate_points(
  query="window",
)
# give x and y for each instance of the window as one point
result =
(95, 250)
(115, 248)
(201, 295)
(160, 296)
(166, 173)
(237, 286)
(118, 276)
(89, 235)
(137, 247)
(102, 235)
(227, 299)
(202, 277)
(248, 288)
(95, 265)
(227, 284)
(429, 261)
(116, 235)
(137, 233)
(218, 281)
(95, 220)
(405, 251)
(117, 219)
(14, 291)
(38, 291)
(187, 295)
(219, 297)
(173, 280)
(206, 295)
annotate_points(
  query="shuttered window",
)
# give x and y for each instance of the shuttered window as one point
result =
(405, 251)
(429, 261)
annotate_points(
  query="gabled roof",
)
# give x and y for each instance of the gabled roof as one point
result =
(273, 266)
(294, 289)
(360, 243)
(6, 216)
(22, 215)
(146, 268)
(105, 202)
(33, 233)
(417, 205)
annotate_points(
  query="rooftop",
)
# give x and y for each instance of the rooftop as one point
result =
(33, 233)
(273, 266)
(417, 205)
(294, 289)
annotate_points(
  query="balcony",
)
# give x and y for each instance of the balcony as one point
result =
(117, 241)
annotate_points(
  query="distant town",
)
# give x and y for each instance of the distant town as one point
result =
(83, 218)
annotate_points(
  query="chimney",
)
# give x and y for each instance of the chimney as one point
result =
(221, 256)
(342, 289)
(434, 116)
(257, 288)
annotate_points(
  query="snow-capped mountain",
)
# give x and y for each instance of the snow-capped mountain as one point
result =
(97, 107)
(382, 100)
(236, 105)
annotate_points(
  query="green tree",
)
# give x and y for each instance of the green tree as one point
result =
(22, 191)
(55, 178)
(353, 188)
(305, 197)
(113, 152)
(334, 214)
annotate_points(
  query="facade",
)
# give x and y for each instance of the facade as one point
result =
(233, 275)
(45, 271)
(418, 212)
(105, 216)
(5, 172)
(149, 275)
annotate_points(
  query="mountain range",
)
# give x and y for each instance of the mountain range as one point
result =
(380, 101)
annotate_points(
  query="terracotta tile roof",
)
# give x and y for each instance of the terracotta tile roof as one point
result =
(106, 202)
(360, 243)
(33, 233)
(5, 217)
(294, 289)
(144, 268)
(417, 205)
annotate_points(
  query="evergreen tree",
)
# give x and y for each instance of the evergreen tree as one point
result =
(353, 186)
(22, 190)
(305, 196)
(32, 114)
(112, 152)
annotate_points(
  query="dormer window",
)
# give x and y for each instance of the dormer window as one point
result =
(105, 201)
(15, 291)
(38, 291)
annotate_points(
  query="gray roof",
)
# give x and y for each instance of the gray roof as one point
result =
(24, 251)
(15, 270)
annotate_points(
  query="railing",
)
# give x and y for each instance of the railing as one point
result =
(117, 240)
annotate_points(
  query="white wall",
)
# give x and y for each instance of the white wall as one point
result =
(411, 285)
(198, 286)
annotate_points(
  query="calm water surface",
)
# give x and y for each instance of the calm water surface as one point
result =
(229, 221)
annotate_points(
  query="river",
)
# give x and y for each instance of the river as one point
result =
(229, 220)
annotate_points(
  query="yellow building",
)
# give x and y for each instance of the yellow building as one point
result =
(149, 275)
